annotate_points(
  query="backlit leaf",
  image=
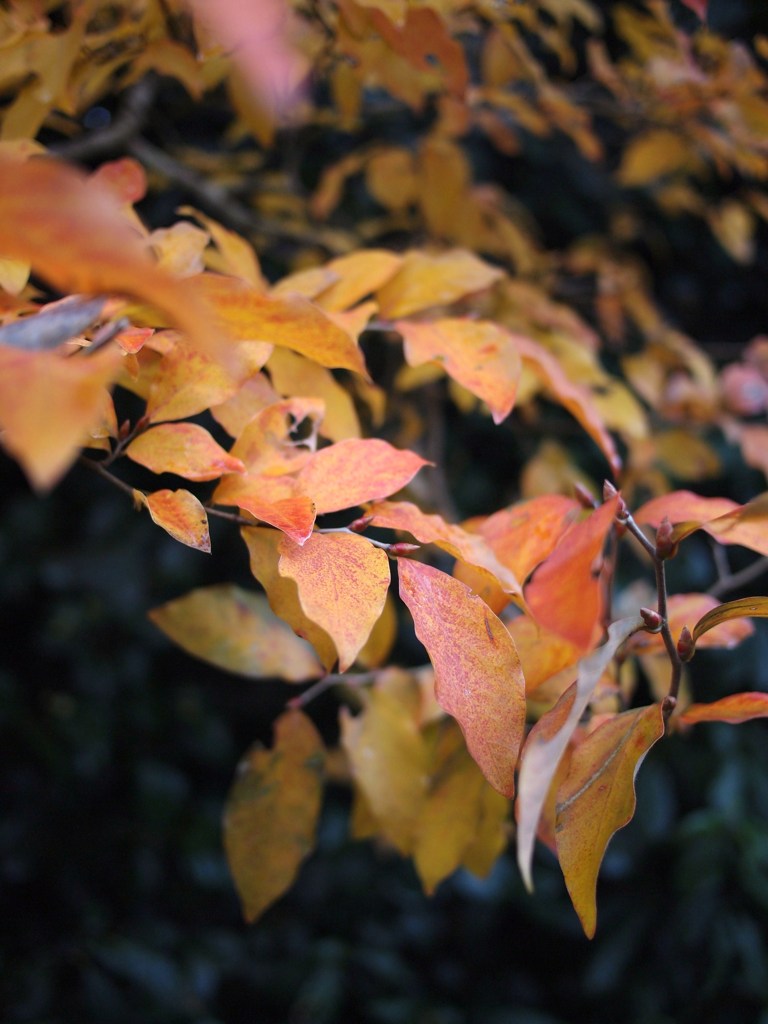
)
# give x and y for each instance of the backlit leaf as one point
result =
(357, 275)
(272, 811)
(565, 594)
(271, 499)
(182, 516)
(425, 281)
(479, 354)
(551, 735)
(234, 629)
(185, 449)
(721, 518)
(342, 580)
(477, 670)
(754, 607)
(598, 798)
(357, 470)
(526, 533)
(740, 707)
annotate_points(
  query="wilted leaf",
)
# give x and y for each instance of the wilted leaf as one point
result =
(185, 449)
(234, 629)
(48, 403)
(477, 671)
(738, 708)
(550, 736)
(342, 580)
(598, 798)
(479, 354)
(272, 810)
(181, 515)
(357, 470)
(754, 607)
(424, 281)
(565, 594)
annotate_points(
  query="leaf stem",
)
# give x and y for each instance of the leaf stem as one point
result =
(100, 466)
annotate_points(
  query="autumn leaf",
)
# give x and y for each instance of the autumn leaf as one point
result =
(292, 374)
(573, 611)
(351, 472)
(48, 403)
(478, 354)
(185, 449)
(682, 610)
(598, 798)
(424, 281)
(181, 515)
(73, 233)
(272, 811)
(698, 7)
(477, 670)
(738, 708)
(270, 499)
(550, 736)
(357, 275)
(234, 629)
(721, 518)
(754, 607)
(186, 383)
(342, 582)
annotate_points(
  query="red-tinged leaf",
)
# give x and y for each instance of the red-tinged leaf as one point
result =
(433, 529)
(264, 553)
(265, 445)
(698, 7)
(738, 708)
(682, 507)
(357, 275)
(753, 607)
(235, 630)
(576, 399)
(598, 798)
(288, 320)
(565, 594)
(271, 499)
(424, 281)
(479, 354)
(182, 516)
(721, 518)
(477, 670)
(48, 404)
(357, 470)
(272, 811)
(542, 653)
(342, 580)
(125, 179)
(550, 736)
(526, 533)
(746, 525)
(292, 374)
(390, 764)
(73, 233)
(186, 383)
(185, 449)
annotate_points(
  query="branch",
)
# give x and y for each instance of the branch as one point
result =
(733, 580)
(127, 123)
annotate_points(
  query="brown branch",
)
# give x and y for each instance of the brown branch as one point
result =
(115, 137)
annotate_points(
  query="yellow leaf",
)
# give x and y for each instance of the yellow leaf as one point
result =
(182, 516)
(424, 281)
(653, 155)
(186, 383)
(754, 607)
(598, 798)
(342, 580)
(185, 449)
(272, 810)
(357, 275)
(292, 374)
(234, 629)
(477, 671)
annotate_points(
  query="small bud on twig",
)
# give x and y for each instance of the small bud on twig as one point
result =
(686, 647)
(665, 546)
(609, 491)
(583, 496)
(402, 547)
(358, 525)
(653, 621)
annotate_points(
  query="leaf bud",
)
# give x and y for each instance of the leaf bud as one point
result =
(402, 547)
(652, 620)
(583, 496)
(358, 525)
(665, 546)
(124, 430)
(609, 491)
(668, 705)
(686, 646)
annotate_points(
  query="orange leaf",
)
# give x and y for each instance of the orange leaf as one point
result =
(265, 444)
(354, 471)
(565, 594)
(721, 518)
(184, 449)
(186, 383)
(342, 581)
(273, 500)
(288, 320)
(739, 707)
(433, 529)
(357, 275)
(542, 653)
(424, 281)
(550, 736)
(479, 354)
(598, 798)
(573, 397)
(754, 607)
(48, 403)
(234, 629)
(683, 507)
(272, 810)
(477, 671)
(181, 515)
(72, 231)
(292, 374)
(264, 553)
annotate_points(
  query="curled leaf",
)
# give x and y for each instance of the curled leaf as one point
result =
(753, 607)
(738, 708)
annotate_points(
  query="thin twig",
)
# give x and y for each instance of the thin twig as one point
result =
(232, 517)
(332, 679)
(99, 466)
(345, 529)
(734, 580)
(115, 137)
